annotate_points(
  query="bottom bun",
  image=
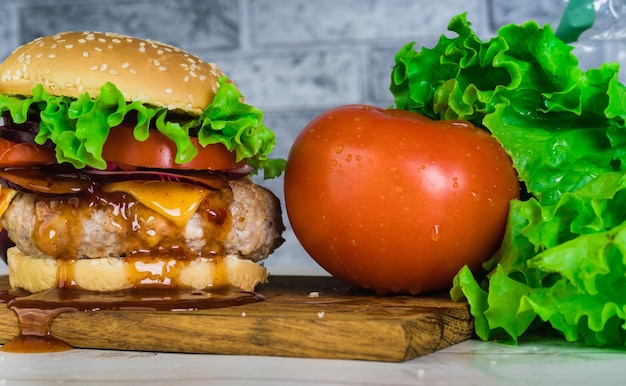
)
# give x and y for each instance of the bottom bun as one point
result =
(113, 274)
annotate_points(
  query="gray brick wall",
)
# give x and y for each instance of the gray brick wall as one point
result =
(292, 58)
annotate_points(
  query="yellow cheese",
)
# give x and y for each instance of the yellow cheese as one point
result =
(6, 196)
(175, 201)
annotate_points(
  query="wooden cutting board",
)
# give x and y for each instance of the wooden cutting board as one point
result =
(312, 317)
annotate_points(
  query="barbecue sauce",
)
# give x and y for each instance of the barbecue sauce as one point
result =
(37, 312)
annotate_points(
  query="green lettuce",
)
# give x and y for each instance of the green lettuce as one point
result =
(562, 263)
(79, 127)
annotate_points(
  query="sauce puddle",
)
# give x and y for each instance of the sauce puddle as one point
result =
(37, 312)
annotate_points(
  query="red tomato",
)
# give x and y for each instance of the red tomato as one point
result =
(391, 201)
(158, 151)
(16, 154)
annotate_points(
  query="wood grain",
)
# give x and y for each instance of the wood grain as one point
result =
(340, 323)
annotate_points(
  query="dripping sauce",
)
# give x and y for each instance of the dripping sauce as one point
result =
(37, 312)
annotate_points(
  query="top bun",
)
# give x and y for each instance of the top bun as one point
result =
(72, 63)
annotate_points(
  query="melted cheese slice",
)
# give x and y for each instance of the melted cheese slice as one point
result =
(6, 196)
(175, 201)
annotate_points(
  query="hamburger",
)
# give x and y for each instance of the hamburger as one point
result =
(126, 163)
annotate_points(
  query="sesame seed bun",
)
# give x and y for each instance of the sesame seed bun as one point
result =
(72, 63)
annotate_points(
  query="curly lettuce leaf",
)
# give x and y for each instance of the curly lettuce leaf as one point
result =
(562, 262)
(79, 127)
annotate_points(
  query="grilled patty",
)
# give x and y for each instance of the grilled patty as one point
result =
(244, 220)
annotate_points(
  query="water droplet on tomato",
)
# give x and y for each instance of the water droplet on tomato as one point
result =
(338, 149)
(434, 234)
(475, 196)
(348, 157)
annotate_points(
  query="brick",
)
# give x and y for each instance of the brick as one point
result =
(303, 21)
(8, 38)
(296, 79)
(5, 31)
(184, 23)
(544, 12)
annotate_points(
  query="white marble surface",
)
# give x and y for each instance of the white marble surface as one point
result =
(537, 362)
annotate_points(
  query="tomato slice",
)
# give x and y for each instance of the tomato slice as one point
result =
(17, 154)
(158, 151)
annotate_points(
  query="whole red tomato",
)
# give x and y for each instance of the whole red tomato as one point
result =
(392, 201)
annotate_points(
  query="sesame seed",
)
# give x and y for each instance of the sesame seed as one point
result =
(202, 77)
(186, 78)
(169, 91)
(116, 40)
(125, 65)
(69, 46)
(82, 41)
(39, 55)
(53, 46)
(193, 74)
(103, 67)
(113, 72)
(132, 70)
(77, 80)
(93, 68)
(102, 40)
(156, 62)
(52, 56)
(129, 40)
(85, 54)
(160, 52)
(142, 49)
(190, 96)
(97, 49)
(162, 68)
(80, 88)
